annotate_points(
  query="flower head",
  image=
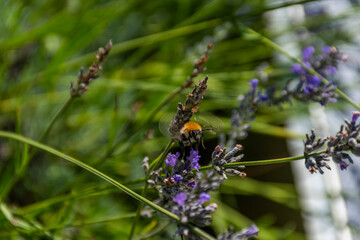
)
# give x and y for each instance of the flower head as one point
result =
(172, 159)
(180, 198)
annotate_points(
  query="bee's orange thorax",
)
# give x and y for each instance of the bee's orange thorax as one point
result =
(191, 126)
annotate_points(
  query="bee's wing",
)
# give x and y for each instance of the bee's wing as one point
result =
(164, 123)
(209, 122)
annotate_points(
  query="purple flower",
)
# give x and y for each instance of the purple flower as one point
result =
(355, 116)
(193, 158)
(172, 159)
(331, 70)
(252, 231)
(263, 97)
(254, 82)
(297, 69)
(343, 165)
(204, 197)
(326, 50)
(308, 52)
(191, 183)
(178, 178)
(180, 198)
(313, 80)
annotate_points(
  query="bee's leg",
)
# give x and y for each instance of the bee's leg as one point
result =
(202, 139)
(182, 147)
(197, 145)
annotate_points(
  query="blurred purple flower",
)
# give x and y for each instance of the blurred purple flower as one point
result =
(254, 83)
(172, 159)
(308, 53)
(252, 231)
(297, 69)
(191, 183)
(193, 158)
(180, 198)
(326, 50)
(355, 116)
(178, 178)
(204, 197)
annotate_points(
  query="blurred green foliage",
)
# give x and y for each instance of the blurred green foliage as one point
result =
(42, 46)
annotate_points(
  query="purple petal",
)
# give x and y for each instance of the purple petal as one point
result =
(326, 50)
(178, 178)
(254, 82)
(263, 97)
(180, 198)
(331, 70)
(171, 159)
(252, 231)
(355, 116)
(313, 80)
(297, 69)
(193, 158)
(308, 52)
(204, 197)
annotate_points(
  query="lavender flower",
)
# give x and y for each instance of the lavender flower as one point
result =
(241, 235)
(172, 159)
(326, 50)
(220, 158)
(83, 81)
(310, 87)
(252, 231)
(355, 117)
(183, 192)
(178, 178)
(345, 140)
(191, 183)
(246, 110)
(204, 197)
(180, 198)
(308, 53)
(254, 82)
(194, 159)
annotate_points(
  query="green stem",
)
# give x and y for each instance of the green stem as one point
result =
(55, 118)
(201, 232)
(242, 28)
(262, 162)
(156, 164)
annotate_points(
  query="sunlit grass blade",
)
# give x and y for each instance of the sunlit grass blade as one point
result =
(90, 169)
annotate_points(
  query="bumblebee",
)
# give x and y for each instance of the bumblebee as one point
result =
(192, 132)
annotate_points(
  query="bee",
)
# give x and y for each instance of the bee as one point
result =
(192, 132)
